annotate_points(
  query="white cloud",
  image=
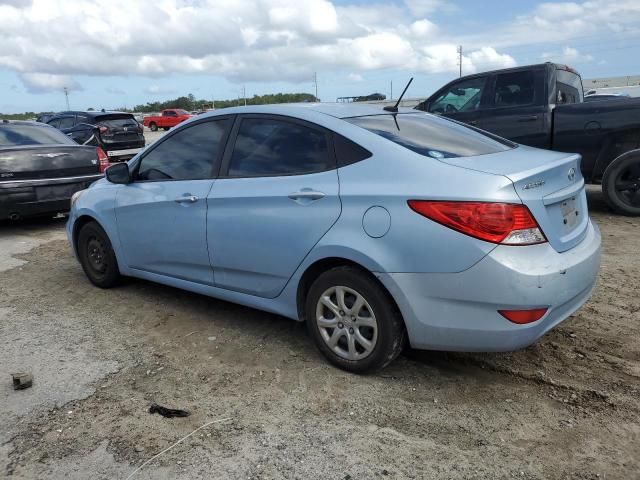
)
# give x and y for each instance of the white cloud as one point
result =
(273, 40)
(559, 22)
(567, 55)
(422, 28)
(46, 82)
(158, 90)
(355, 77)
(419, 8)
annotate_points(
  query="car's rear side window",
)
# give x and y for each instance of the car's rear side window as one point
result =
(11, 135)
(432, 136)
(271, 147)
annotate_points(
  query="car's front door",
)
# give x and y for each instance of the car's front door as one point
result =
(462, 101)
(161, 215)
(276, 197)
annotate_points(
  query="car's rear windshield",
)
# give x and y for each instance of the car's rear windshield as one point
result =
(17, 135)
(113, 121)
(432, 136)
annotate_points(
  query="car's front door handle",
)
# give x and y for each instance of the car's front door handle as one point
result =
(187, 199)
(306, 194)
(528, 118)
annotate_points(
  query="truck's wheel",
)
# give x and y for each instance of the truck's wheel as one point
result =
(165, 128)
(621, 184)
(153, 127)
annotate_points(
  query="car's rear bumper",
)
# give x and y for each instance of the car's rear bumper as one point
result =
(28, 198)
(459, 311)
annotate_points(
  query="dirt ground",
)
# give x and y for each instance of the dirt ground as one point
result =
(567, 407)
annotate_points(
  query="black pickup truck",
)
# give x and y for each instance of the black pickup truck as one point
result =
(543, 106)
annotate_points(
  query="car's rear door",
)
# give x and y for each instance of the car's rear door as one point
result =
(276, 196)
(161, 215)
(517, 107)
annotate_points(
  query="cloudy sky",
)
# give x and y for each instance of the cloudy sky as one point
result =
(114, 53)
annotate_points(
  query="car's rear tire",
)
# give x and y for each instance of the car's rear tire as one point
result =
(353, 320)
(621, 184)
(153, 126)
(97, 257)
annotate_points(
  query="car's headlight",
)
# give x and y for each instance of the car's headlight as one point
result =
(76, 196)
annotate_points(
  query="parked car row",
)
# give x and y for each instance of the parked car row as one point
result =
(118, 134)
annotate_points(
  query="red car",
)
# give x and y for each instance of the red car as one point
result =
(167, 119)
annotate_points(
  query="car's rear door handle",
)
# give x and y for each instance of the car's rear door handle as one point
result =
(528, 118)
(187, 199)
(306, 194)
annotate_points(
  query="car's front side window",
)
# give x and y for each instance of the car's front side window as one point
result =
(270, 147)
(189, 154)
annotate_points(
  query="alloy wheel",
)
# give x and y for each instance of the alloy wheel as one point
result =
(346, 323)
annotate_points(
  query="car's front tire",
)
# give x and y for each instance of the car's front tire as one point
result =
(621, 184)
(353, 320)
(97, 257)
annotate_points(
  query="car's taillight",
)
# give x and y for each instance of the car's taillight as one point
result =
(505, 223)
(140, 128)
(103, 129)
(103, 160)
(523, 316)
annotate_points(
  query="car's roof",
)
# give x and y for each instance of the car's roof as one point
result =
(4, 122)
(337, 110)
(92, 113)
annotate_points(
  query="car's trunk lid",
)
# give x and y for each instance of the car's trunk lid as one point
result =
(47, 161)
(548, 183)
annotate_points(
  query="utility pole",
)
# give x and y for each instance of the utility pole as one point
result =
(391, 92)
(244, 95)
(460, 58)
(66, 96)
(315, 81)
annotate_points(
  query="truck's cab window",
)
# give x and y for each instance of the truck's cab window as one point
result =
(461, 96)
(568, 87)
(514, 89)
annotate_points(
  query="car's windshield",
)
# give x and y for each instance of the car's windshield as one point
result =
(15, 135)
(432, 136)
(182, 112)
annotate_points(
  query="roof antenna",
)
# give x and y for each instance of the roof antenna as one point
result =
(394, 109)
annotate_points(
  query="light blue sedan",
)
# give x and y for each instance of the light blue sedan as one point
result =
(375, 228)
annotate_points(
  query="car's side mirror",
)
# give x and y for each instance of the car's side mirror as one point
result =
(118, 173)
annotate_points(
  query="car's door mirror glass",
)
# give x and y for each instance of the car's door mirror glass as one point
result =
(118, 173)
